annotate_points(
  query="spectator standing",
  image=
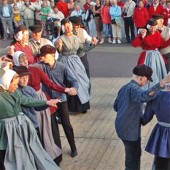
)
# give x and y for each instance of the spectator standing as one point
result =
(155, 8)
(89, 19)
(163, 3)
(166, 14)
(115, 13)
(78, 12)
(128, 11)
(146, 4)
(44, 12)
(58, 15)
(86, 6)
(19, 3)
(70, 5)
(63, 7)
(6, 16)
(140, 16)
(17, 18)
(98, 21)
(37, 6)
(128, 105)
(120, 3)
(28, 13)
(106, 20)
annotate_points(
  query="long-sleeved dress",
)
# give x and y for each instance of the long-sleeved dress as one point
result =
(69, 57)
(18, 136)
(44, 116)
(159, 140)
(151, 56)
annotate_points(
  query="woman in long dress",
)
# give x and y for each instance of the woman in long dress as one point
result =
(159, 140)
(68, 45)
(20, 147)
(49, 139)
(150, 42)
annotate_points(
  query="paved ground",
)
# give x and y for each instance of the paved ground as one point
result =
(98, 145)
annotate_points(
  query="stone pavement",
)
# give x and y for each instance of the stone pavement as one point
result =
(98, 146)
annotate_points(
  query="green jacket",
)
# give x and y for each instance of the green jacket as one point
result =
(10, 106)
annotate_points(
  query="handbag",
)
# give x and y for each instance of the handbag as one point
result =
(113, 21)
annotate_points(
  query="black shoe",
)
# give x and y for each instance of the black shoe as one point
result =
(73, 154)
(84, 112)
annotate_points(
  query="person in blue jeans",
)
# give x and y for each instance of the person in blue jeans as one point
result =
(128, 106)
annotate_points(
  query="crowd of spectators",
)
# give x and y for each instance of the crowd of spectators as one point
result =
(105, 20)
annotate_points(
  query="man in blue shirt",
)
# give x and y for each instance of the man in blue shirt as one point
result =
(59, 74)
(128, 106)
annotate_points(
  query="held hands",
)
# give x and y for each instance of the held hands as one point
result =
(53, 102)
(6, 65)
(59, 44)
(10, 50)
(94, 41)
(71, 91)
(165, 80)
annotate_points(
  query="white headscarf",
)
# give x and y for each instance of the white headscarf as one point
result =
(16, 57)
(6, 79)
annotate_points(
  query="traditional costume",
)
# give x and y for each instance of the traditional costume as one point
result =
(151, 56)
(159, 140)
(70, 46)
(37, 77)
(18, 137)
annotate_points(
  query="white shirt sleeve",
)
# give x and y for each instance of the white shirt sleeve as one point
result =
(87, 37)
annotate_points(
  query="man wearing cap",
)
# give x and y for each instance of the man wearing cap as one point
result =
(128, 106)
(59, 74)
(36, 41)
(165, 34)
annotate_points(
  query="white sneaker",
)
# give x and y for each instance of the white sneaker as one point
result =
(102, 41)
(109, 40)
(118, 41)
(114, 41)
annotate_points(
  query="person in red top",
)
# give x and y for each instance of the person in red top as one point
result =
(63, 7)
(150, 41)
(155, 8)
(106, 20)
(86, 6)
(120, 3)
(140, 15)
(166, 14)
(37, 77)
(20, 43)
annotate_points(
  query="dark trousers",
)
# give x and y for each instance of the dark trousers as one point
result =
(129, 26)
(65, 121)
(167, 56)
(85, 62)
(132, 154)
(162, 163)
(2, 156)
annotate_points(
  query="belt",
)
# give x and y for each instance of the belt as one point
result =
(6, 17)
(164, 124)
